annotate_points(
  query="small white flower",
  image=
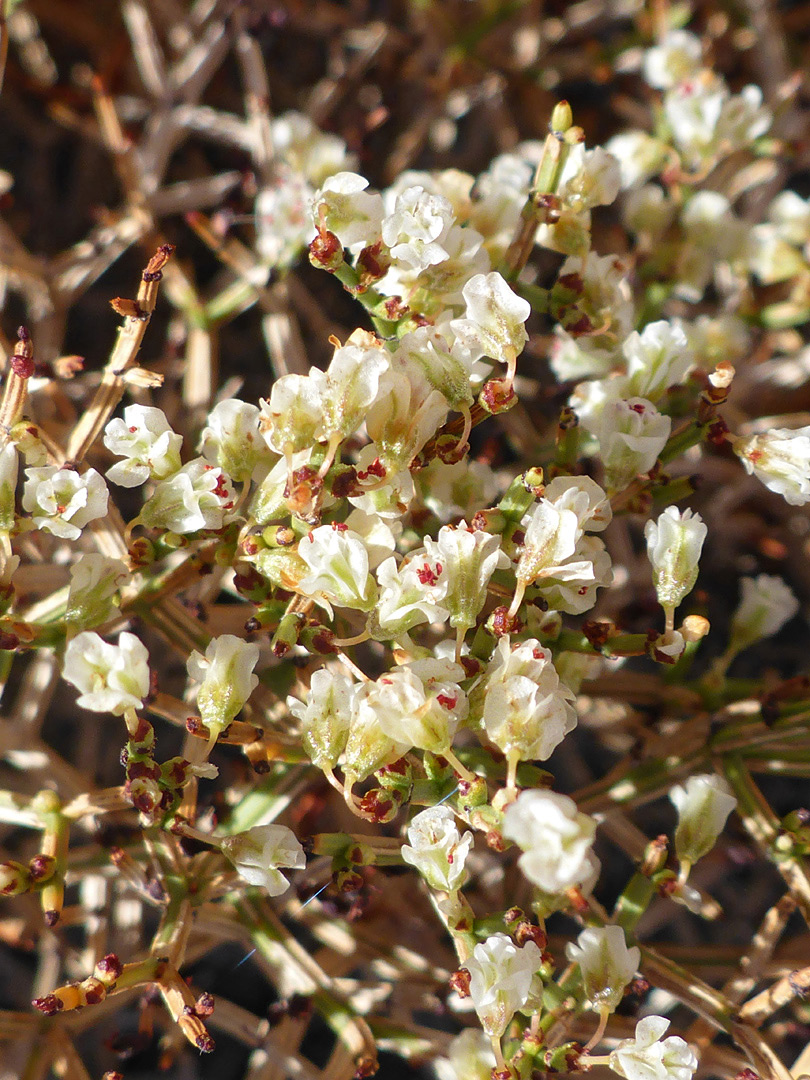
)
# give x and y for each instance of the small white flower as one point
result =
(645, 1057)
(94, 582)
(648, 210)
(457, 490)
(307, 149)
(325, 717)
(555, 837)
(144, 438)
(353, 382)
(589, 178)
(407, 413)
(465, 560)
(657, 358)
(258, 852)
(414, 230)
(62, 501)
(703, 804)
(501, 977)
(674, 543)
(293, 419)
(493, 322)
(606, 963)
(198, 496)
(338, 569)
(676, 58)
(765, 606)
(111, 678)
(631, 433)
(791, 217)
(233, 440)
(780, 459)
(469, 1057)
(437, 849)
(9, 469)
(527, 710)
(420, 704)
(410, 594)
(345, 208)
(226, 677)
(640, 156)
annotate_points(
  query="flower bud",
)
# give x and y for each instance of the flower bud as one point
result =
(674, 543)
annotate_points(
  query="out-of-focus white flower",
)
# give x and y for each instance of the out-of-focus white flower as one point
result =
(493, 322)
(703, 804)
(233, 440)
(790, 215)
(283, 220)
(674, 544)
(771, 258)
(675, 59)
(338, 569)
(706, 120)
(631, 433)
(501, 978)
(197, 496)
(414, 229)
(226, 677)
(555, 837)
(62, 501)
(257, 853)
(347, 209)
(457, 490)
(657, 358)
(765, 606)
(110, 678)
(437, 849)
(640, 156)
(308, 150)
(469, 1057)
(780, 459)
(648, 210)
(646, 1057)
(323, 720)
(527, 710)
(606, 963)
(146, 441)
(465, 560)
(94, 582)
(589, 178)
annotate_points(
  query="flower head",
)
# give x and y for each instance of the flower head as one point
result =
(606, 963)
(198, 496)
(501, 978)
(146, 442)
(703, 804)
(62, 501)
(555, 837)
(647, 1057)
(226, 677)
(258, 852)
(111, 678)
(437, 849)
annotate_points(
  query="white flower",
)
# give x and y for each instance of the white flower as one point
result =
(94, 582)
(226, 677)
(631, 433)
(589, 178)
(469, 1057)
(307, 149)
(144, 438)
(345, 208)
(645, 1057)
(606, 963)
(325, 717)
(648, 210)
(196, 497)
(9, 469)
(555, 837)
(765, 606)
(584, 497)
(414, 230)
(111, 678)
(674, 543)
(283, 221)
(465, 560)
(338, 569)
(62, 501)
(437, 849)
(233, 440)
(409, 595)
(421, 704)
(675, 59)
(353, 382)
(493, 322)
(447, 370)
(380, 711)
(791, 217)
(657, 358)
(407, 413)
(457, 490)
(703, 804)
(294, 417)
(780, 459)
(258, 852)
(501, 977)
(640, 156)
(527, 710)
